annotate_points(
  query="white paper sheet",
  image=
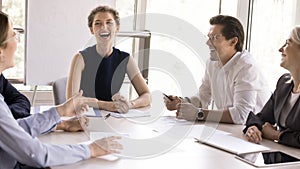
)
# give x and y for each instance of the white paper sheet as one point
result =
(92, 112)
(131, 114)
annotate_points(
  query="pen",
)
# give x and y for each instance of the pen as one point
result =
(107, 116)
(168, 97)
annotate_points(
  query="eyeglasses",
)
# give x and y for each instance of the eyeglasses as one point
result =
(214, 37)
(16, 36)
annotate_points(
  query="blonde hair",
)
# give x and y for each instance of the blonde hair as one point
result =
(295, 34)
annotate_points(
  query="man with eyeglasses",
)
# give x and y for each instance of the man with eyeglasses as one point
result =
(232, 79)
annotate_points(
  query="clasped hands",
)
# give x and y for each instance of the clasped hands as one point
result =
(184, 109)
(121, 104)
(253, 134)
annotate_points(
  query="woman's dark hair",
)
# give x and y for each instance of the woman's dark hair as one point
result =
(114, 12)
(4, 26)
(232, 27)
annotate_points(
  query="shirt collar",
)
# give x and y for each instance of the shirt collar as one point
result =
(232, 61)
(1, 97)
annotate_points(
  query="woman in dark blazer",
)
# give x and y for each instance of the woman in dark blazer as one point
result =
(279, 120)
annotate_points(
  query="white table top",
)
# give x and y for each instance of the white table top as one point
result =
(184, 153)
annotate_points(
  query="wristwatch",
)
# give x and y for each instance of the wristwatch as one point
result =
(200, 114)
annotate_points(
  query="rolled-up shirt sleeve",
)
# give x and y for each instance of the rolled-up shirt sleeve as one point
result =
(245, 92)
(244, 102)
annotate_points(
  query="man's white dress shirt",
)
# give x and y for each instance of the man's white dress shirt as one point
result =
(238, 86)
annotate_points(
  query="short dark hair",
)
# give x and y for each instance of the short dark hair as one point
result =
(4, 26)
(232, 27)
(109, 9)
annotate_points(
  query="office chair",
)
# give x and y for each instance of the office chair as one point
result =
(59, 90)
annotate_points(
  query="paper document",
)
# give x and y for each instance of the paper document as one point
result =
(131, 114)
(92, 112)
(231, 144)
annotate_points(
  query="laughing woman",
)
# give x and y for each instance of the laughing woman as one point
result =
(99, 70)
(279, 119)
(19, 147)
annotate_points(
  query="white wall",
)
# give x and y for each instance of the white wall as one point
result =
(55, 31)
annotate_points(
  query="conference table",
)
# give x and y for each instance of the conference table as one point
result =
(146, 144)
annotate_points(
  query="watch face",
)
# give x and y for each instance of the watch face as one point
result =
(200, 115)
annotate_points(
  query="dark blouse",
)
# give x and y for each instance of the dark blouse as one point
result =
(102, 77)
(272, 110)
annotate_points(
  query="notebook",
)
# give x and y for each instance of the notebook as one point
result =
(230, 143)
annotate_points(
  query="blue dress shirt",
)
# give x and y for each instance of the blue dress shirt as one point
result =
(18, 142)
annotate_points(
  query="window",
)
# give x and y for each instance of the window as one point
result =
(194, 14)
(16, 10)
(125, 8)
(272, 22)
(229, 7)
(267, 35)
(126, 11)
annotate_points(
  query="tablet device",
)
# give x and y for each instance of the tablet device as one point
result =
(267, 159)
